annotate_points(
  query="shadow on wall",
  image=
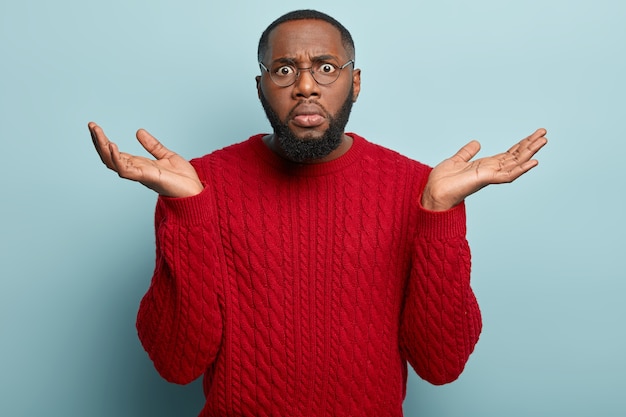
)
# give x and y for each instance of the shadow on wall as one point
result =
(127, 383)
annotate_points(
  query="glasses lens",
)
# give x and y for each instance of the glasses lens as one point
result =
(283, 75)
(326, 73)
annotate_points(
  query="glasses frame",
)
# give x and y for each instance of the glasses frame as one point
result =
(310, 69)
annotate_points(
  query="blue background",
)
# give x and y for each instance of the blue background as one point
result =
(77, 243)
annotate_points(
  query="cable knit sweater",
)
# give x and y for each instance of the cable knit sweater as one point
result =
(303, 290)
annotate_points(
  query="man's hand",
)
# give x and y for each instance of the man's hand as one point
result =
(456, 178)
(169, 175)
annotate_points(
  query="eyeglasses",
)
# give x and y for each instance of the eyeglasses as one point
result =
(324, 73)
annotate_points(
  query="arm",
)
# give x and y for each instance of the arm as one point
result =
(441, 321)
(179, 322)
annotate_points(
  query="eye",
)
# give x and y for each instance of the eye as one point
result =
(284, 71)
(326, 68)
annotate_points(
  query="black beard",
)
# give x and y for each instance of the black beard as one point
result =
(301, 150)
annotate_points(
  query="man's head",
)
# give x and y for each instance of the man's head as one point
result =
(346, 38)
(308, 84)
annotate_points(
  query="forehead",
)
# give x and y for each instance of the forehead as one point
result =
(299, 39)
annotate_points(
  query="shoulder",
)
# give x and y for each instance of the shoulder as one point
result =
(387, 158)
(231, 155)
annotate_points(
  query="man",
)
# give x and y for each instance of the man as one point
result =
(300, 271)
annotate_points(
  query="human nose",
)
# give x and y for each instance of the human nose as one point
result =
(305, 85)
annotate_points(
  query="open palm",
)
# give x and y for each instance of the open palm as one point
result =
(168, 174)
(457, 177)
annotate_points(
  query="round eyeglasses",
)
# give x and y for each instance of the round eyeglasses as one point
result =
(324, 73)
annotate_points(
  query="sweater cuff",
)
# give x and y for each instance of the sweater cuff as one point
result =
(441, 224)
(196, 209)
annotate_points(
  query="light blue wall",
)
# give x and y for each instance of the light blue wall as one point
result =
(548, 251)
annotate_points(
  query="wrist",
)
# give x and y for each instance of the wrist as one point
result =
(182, 190)
(432, 203)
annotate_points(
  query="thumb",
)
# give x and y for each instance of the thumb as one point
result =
(152, 145)
(468, 151)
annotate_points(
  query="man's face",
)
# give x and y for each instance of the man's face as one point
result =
(307, 116)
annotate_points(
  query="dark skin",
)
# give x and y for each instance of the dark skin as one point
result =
(449, 183)
(304, 42)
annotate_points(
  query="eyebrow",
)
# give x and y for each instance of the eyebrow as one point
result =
(318, 58)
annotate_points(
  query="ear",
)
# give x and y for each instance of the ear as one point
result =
(258, 85)
(356, 84)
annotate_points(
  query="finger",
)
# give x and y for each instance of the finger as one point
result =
(539, 142)
(526, 152)
(539, 133)
(126, 165)
(468, 151)
(152, 145)
(101, 143)
(118, 165)
(537, 136)
(528, 147)
(521, 170)
(511, 170)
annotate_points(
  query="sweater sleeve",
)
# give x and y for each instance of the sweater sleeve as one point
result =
(179, 321)
(441, 321)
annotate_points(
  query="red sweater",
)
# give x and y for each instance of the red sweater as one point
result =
(303, 290)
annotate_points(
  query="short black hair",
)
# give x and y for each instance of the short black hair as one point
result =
(306, 14)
